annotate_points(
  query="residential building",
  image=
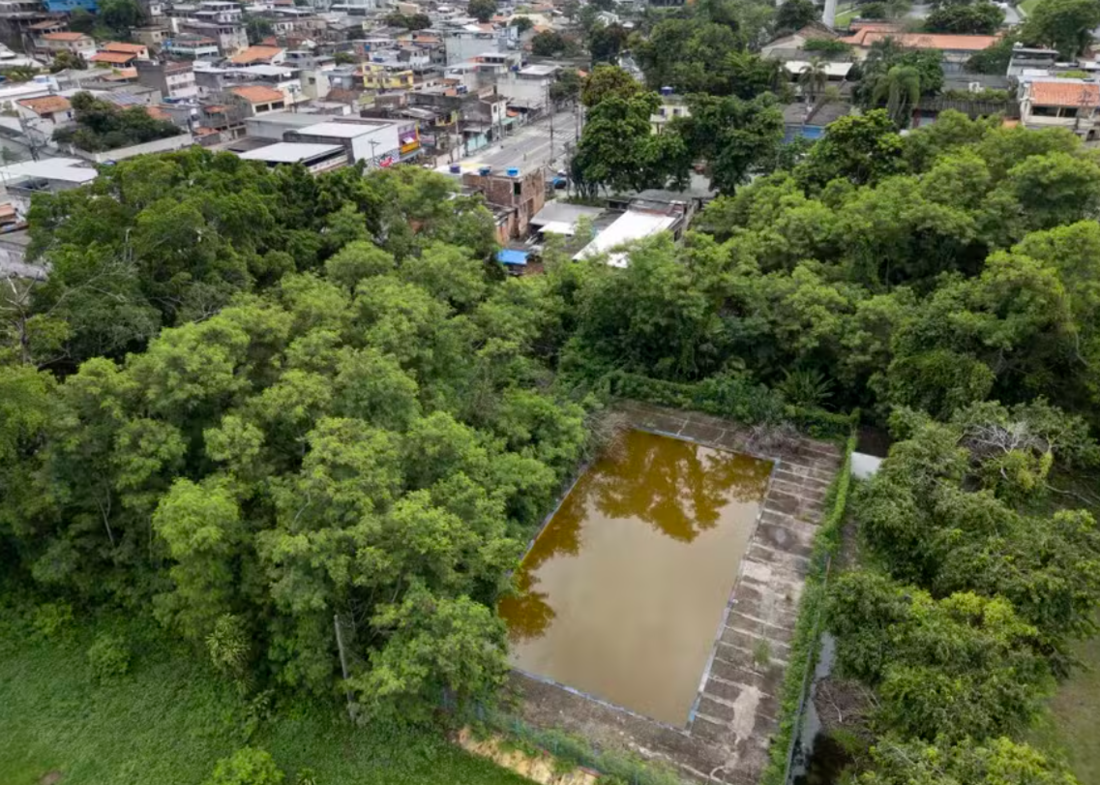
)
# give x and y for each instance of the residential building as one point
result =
(45, 113)
(379, 143)
(175, 80)
(1060, 103)
(140, 51)
(315, 157)
(514, 195)
(1026, 59)
(68, 6)
(212, 80)
(797, 40)
(22, 19)
(672, 106)
(257, 99)
(113, 59)
(191, 47)
(529, 87)
(76, 43)
(151, 35)
(956, 49)
(259, 55)
(465, 44)
(213, 19)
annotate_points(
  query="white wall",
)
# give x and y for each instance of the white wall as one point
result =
(159, 146)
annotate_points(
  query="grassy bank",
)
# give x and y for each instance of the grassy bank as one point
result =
(169, 719)
(1070, 727)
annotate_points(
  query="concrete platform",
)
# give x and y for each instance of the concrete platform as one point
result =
(736, 710)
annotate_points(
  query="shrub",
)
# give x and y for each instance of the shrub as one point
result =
(247, 766)
(109, 656)
(52, 618)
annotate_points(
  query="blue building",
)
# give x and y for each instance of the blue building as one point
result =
(68, 6)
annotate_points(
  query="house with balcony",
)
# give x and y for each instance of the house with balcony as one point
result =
(174, 80)
(214, 19)
(50, 44)
(27, 17)
(191, 47)
(1061, 103)
(255, 100)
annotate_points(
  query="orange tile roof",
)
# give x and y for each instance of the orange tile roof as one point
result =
(157, 113)
(965, 43)
(258, 94)
(47, 104)
(118, 58)
(64, 36)
(1065, 94)
(255, 54)
(119, 46)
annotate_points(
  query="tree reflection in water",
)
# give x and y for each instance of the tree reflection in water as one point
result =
(677, 487)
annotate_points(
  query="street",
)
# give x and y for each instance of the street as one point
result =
(531, 145)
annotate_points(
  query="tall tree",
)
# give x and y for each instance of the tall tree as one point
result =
(1065, 25)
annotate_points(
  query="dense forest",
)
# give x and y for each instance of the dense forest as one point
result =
(308, 422)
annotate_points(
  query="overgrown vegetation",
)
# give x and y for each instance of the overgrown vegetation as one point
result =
(306, 423)
(102, 126)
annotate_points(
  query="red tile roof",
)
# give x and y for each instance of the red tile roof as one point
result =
(47, 104)
(964, 43)
(256, 54)
(116, 58)
(118, 46)
(65, 37)
(1065, 94)
(258, 94)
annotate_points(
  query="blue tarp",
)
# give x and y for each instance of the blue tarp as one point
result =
(508, 256)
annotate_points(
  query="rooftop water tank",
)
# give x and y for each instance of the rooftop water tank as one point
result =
(485, 171)
(513, 172)
(456, 169)
(666, 91)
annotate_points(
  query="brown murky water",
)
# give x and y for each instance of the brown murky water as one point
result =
(622, 594)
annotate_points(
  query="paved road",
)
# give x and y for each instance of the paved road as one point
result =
(531, 145)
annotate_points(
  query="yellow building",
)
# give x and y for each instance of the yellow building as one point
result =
(379, 77)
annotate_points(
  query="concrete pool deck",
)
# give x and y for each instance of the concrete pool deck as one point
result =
(736, 709)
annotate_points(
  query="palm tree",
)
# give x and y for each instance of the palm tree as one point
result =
(813, 78)
(900, 87)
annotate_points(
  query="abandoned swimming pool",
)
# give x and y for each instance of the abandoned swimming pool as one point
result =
(624, 591)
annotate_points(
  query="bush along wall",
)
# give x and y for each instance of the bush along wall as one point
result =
(733, 397)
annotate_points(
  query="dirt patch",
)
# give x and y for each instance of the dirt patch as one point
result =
(541, 768)
(50, 778)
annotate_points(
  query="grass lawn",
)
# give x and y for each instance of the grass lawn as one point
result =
(1028, 6)
(169, 719)
(1070, 727)
(845, 17)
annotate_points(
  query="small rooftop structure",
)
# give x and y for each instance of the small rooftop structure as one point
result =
(290, 152)
(562, 218)
(258, 94)
(833, 70)
(630, 226)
